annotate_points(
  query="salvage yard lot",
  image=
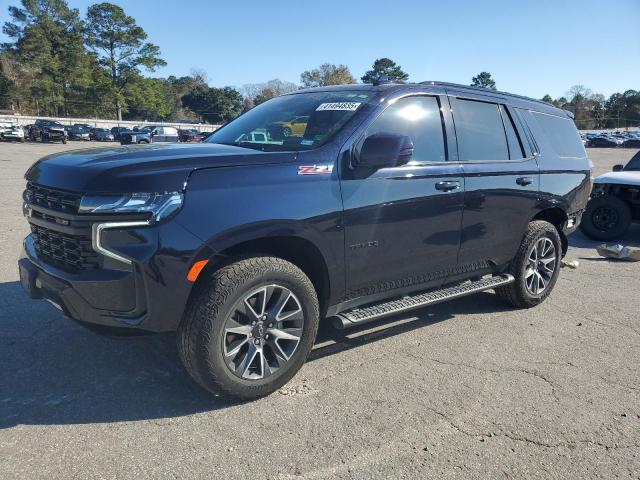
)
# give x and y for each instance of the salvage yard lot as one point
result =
(465, 389)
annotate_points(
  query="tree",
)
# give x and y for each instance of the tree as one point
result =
(215, 105)
(266, 91)
(484, 80)
(120, 46)
(385, 66)
(327, 74)
(47, 45)
(547, 98)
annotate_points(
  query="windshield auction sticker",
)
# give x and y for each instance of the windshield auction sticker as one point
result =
(343, 106)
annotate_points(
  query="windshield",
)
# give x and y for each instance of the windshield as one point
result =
(292, 122)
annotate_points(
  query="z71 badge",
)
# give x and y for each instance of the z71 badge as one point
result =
(315, 169)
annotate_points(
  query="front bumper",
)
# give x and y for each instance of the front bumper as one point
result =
(149, 293)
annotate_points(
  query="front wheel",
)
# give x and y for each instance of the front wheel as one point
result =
(249, 329)
(535, 267)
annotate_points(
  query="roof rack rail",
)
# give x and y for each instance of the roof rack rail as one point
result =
(482, 89)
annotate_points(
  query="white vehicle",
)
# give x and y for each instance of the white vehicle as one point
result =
(614, 203)
(11, 131)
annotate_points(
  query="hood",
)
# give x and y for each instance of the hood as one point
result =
(141, 168)
(629, 177)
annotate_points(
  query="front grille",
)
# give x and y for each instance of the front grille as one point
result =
(53, 199)
(72, 253)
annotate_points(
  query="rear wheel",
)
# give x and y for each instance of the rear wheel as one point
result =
(250, 328)
(535, 267)
(606, 218)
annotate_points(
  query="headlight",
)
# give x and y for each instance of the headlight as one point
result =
(158, 205)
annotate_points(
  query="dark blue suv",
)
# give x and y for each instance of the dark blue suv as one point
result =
(388, 198)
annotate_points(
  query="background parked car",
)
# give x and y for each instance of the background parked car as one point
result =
(614, 202)
(190, 135)
(633, 142)
(604, 141)
(150, 134)
(78, 132)
(47, 131)
(11, 131)
(101, 135)
(116, 131)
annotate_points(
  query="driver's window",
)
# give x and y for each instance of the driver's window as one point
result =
(157, 131)
(419, 118)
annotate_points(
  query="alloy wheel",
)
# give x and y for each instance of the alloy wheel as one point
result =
(541, 266)
(262, 332)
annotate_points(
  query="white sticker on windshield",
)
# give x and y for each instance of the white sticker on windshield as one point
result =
(343, 106)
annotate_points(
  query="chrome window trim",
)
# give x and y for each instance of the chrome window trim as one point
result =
(96, 232)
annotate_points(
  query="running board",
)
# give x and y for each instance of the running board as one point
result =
(359, 316)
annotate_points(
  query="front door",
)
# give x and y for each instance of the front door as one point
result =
(402, 224)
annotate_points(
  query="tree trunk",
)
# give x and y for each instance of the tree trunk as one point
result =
(118, 110)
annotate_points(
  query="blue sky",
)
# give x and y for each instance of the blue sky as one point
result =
(530, 47)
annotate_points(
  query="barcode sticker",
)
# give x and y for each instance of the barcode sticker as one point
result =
(343, 106)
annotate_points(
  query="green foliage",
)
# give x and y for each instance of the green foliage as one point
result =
(119, 44)
(484, 80)
(327, 74)
(215, 105)
(385, 66)
(47, 39)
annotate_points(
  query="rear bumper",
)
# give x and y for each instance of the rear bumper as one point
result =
(149, 294)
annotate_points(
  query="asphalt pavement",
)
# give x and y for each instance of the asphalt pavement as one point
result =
(466, 389)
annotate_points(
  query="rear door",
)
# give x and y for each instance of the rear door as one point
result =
(501, 179)
(402, 224)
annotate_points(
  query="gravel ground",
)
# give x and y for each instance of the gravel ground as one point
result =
(467, 389)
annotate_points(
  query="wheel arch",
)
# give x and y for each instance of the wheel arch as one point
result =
(557, 217)
(300, 251)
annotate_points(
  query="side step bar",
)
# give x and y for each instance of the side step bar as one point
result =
(359, 316)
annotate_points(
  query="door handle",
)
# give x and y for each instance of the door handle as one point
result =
(524, 181)
(447, 186)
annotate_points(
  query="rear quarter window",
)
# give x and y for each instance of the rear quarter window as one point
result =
(561, 134)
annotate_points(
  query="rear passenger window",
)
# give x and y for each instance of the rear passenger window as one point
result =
(418, 117)
(562, 135)
(480, 132)
(515, 145)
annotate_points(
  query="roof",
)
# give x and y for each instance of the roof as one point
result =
(393, 86)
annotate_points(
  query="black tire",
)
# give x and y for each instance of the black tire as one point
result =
(517, 294)
(64, 140)
(143, 142)
(201, 334)
(606, 218)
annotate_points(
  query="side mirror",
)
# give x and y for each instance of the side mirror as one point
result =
(618, 168)
(383, 150)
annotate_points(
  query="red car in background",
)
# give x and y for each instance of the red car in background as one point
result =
(191, 135)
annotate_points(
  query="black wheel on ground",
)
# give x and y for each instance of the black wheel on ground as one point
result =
(249, 328)
(42, 138)
(143, 142)
(535, 267)
(64, 140)
(606, 218)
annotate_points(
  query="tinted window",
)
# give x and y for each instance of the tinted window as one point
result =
(479, 130)
(562, 135)
(513, 140)
(634, 163)
(418, 117)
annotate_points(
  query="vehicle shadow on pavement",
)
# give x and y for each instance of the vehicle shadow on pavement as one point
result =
(57, 372)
